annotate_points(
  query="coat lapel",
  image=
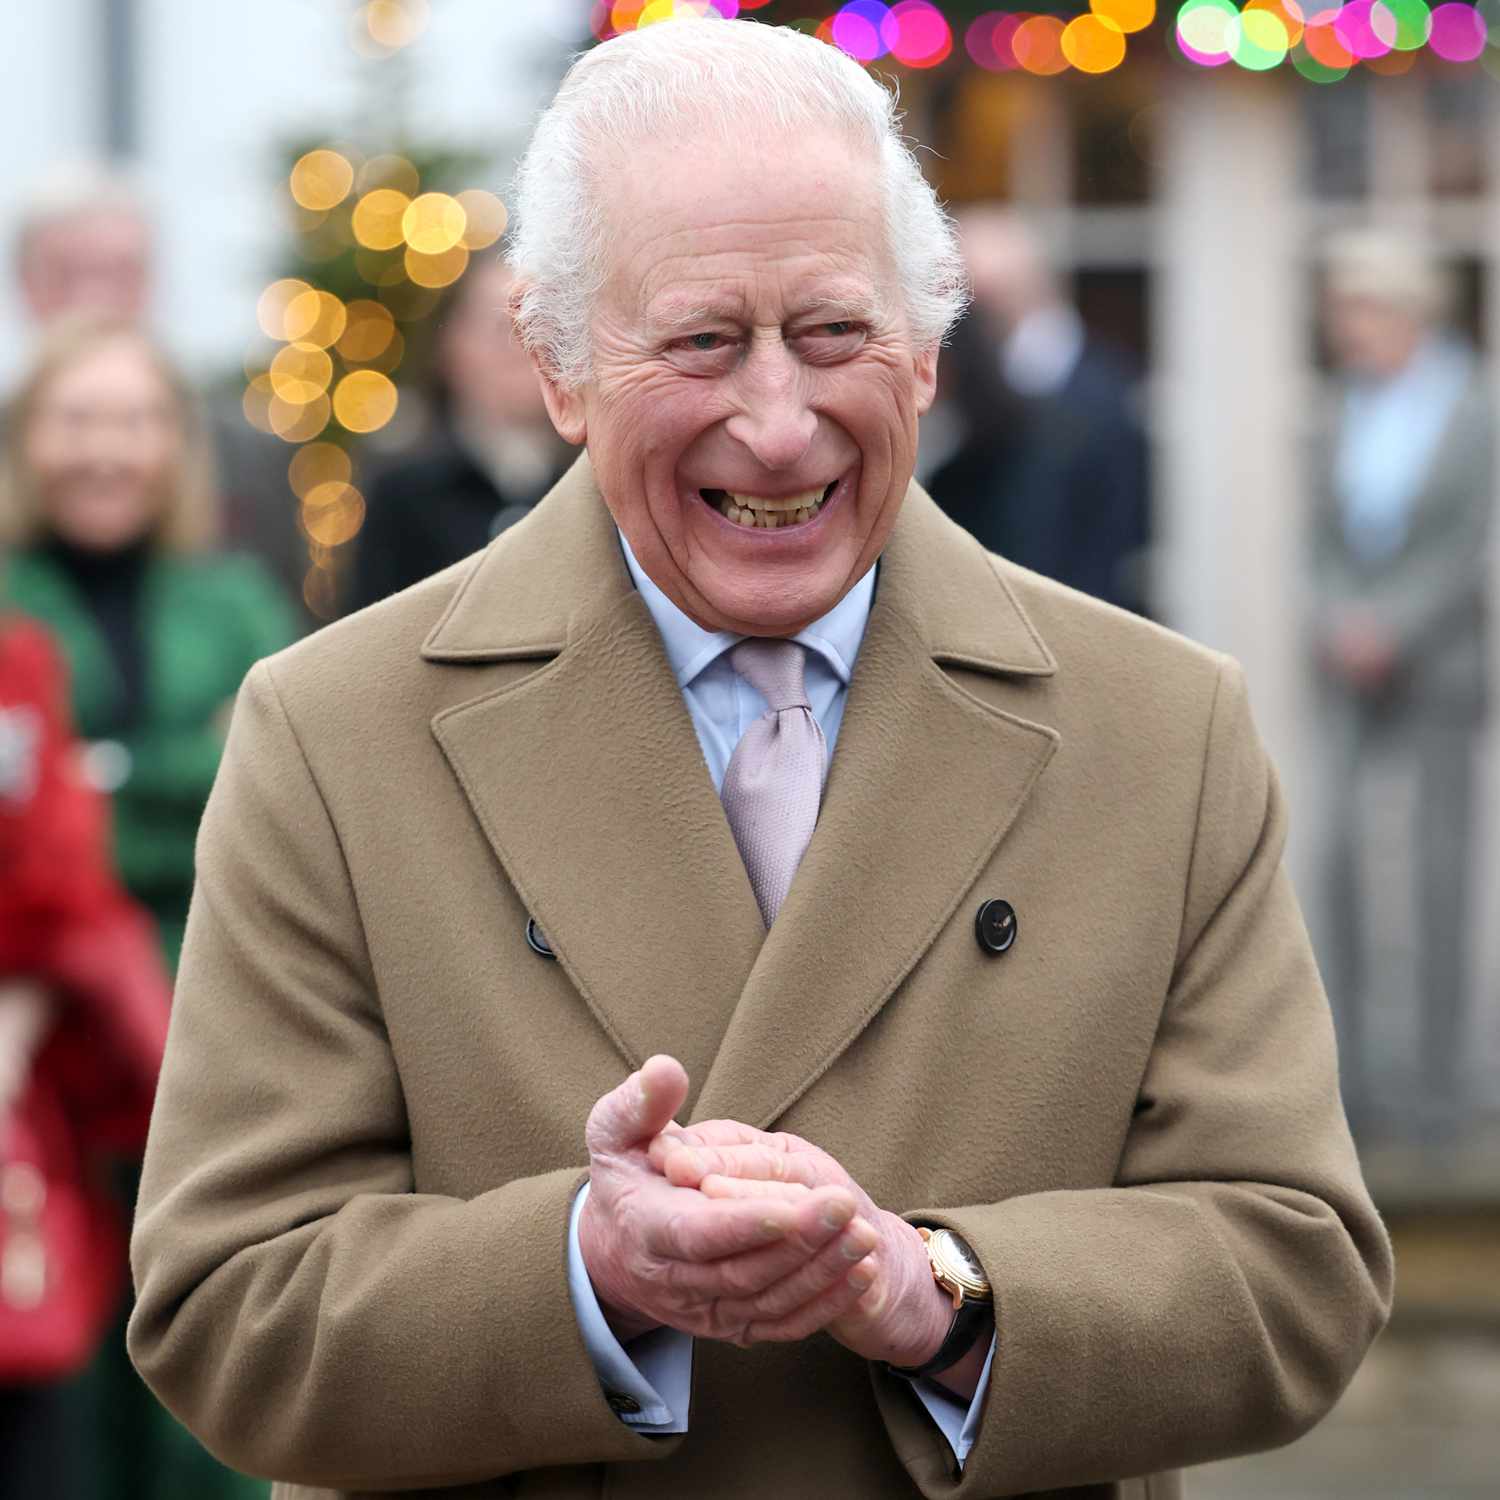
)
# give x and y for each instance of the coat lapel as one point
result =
(923, 785)
(588, 781)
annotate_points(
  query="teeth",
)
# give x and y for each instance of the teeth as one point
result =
(755, 510)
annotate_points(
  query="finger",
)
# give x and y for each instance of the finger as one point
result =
(699, 1229)
(812, 1317)
(712, 1133)
(689, 1165)
(715, 1186)
(823, 1273)
(639, 1108)
(737, 1277)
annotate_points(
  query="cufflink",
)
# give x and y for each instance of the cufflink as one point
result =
(536, 940)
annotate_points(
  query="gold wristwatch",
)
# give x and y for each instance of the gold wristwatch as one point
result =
(956, 1269)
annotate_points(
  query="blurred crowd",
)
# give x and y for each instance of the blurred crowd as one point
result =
(149, 554)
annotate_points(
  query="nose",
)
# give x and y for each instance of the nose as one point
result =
(774, 420)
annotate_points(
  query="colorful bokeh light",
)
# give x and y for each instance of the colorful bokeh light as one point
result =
(916, 33)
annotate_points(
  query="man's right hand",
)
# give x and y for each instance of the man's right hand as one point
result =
(658, 1254)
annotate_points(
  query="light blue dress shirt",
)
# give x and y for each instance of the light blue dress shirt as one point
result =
(656, 1373)
(1388, 440)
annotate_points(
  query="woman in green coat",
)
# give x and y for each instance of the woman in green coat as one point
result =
(106, 511)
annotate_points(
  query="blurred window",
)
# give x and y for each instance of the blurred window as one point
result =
(1338, 137)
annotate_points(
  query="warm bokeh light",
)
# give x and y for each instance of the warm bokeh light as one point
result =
(408, 301)
(364, 401)
(433, 223)
(1263, 42)
(1393, 64)
(1287, 12)
(301, 373)
(1125, 15)
(295, 422)
(388, 360)
(320, 593)
(256, 402)
(1093, 45)
(394, 24)
(378, 267)
(625, 15)
(332, 513)
(368, 333)
(389, 171)
(321, 180)
(378, 218)
(485, 218)
(315, 464)
(1324, 45)
(1037, 46)
(271, 309)
(436, 270)
(315, 317)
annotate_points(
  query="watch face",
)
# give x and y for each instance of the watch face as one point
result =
(960, 1263)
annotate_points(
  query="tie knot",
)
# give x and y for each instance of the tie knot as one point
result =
(774, 668)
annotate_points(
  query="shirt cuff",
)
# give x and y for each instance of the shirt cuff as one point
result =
(957, 1420)
(650, 1388)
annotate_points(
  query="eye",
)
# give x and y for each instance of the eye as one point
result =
(834, 340)
(705, 343)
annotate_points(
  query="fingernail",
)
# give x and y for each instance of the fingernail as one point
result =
(853, 1250)
(861, 1281)
(836, 1215)
(774, 1228)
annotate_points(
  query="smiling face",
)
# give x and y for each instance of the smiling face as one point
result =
(102, 442)
(752, 414)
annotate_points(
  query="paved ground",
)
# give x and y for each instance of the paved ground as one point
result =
(1420, 1422)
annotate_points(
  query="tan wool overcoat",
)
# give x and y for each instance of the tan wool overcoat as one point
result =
(351, 1244)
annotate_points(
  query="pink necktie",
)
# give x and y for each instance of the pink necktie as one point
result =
(774, 781)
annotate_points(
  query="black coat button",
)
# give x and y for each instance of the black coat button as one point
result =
(995, 926)
(621, 1404)
(536, 940)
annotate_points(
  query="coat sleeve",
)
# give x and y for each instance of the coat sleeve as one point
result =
(1219, 1297)
(305, 1312)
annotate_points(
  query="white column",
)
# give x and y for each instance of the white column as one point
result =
(1231, 310)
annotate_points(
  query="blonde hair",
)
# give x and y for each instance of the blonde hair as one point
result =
(188, 517)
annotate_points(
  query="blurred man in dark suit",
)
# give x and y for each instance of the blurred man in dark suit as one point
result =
(1051, 471)
(493, 456)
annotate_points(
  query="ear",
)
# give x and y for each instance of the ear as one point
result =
(564, 403)
(924, 364)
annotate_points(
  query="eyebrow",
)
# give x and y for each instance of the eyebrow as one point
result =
(853, 307)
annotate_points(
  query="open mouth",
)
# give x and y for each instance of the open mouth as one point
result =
(767, 513)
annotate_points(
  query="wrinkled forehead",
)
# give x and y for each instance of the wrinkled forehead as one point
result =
(730, 224)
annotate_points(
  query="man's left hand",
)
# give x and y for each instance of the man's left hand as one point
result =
(904, 1316)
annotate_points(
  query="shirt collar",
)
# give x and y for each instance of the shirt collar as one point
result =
(691, 649)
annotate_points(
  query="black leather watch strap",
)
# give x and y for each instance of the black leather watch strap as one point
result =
(968, 1323)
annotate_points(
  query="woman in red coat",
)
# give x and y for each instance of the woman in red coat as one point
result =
(83, 1015)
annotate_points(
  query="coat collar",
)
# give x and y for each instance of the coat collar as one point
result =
(589, 783)
(548, 578)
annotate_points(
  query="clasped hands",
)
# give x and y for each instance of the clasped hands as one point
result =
(727, 1232)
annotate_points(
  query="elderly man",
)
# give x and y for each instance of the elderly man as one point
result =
(1399, 615)
(998, 1148)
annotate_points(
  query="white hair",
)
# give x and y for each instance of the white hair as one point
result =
(652, 84)
(1392, 268)
(73, 190)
